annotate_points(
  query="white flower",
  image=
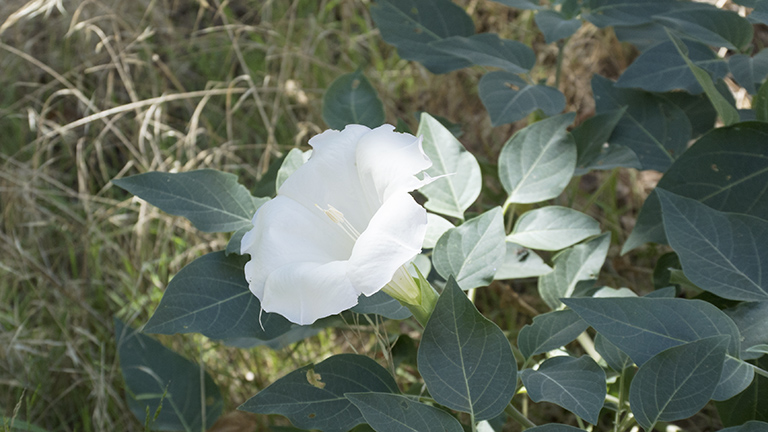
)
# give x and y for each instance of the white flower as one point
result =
(342, 225)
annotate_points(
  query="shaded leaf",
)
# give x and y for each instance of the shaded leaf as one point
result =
(592, 146)
(465, 359)
(617, 359)
(748, 71)
(211, 296)
(748, 405)
(579, 263)
(312, 397)
(381, 304)
(461, 182)
(508, 98)
(487, 49)
(722, 253)
(351, 99)
(155, 375)
(552, 228)
(538, 161)
(395, 413)
(555, 26)
(677, 382)
(576, 384)
(473, 251)
(751, 320)
(550, 331)
(656, 130)
(212, 200)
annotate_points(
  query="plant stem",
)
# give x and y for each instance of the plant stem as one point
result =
(559, 65)
(620, 405)
(519, 417)
(760, 371)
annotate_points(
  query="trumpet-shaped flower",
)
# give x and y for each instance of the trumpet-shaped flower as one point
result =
(341, 226)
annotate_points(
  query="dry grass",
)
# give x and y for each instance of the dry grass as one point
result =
(94, 90)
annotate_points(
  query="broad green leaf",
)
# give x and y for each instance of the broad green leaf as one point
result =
(656, 130)
(723, 253)
(604, 13)
(592, 146)
(749, 404)
(760, 349)
(293, 160)
(750, 426)
(473, 251)
(550, 331)
(699, 110)
(520, 262)
(537, 163)
(725, 110)
(461, 181)
(212, 200)
(752, 320)
(312, 397)
(760, 103)
(465, 359)
(555, 26)
(579, 263)
(210, 296)
(487, 49)
(351, 99)
(411, 26)
(709, 25)
(677, 382)
(395, 413)
(662, 69)
(508, 98)
(576, 384)
(552, 228)
(617, 359)
(748, 71)
(381, 304)
(521, 4)
(554, 427)
(736, 376)
(436, 227)
(726, 169)
(643, 327)
(759, 14)
(155, 375)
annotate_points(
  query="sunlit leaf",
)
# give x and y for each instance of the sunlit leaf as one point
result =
(552, 228)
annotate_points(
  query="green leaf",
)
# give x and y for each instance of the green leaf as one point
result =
(592, 146)
(655, 129)
(723, 253)
(210, 296)
(312, 397)
(576, 384)
(726, 169)
(736, 376)
(725, 110)
(662, 69)
(617, 359)
(487, 49)
(351, 99)
(411, 26)
(748, 71)
(292, 161)
(520, 262)
(381, 304)
(751, 320)
(461, 181)
(750, 426)
(521, 4)
(709, 25)
(749, 404)
(554, 427)
(643, 327)
(212, 200)
(473, 251)
(579, 263)
(761, 103)
(156, 377)
(13, 424)
(436, 227)
(394, 413)
(604, 13)
(550, 331)
(553, 228)
(699, 110)
(555, 26)
(537, 163)
(508, 98)
(465, 359)
(677, 382)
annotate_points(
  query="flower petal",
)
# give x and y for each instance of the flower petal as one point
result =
(285, 232)
(306, 292)
(330, 177)
(388, 162)
(394, 236)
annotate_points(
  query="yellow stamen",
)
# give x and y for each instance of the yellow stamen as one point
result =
(338, 218)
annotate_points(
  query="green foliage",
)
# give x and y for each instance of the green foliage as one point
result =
(389, 412)
(550, 331)
(351, 99)
(552, 228)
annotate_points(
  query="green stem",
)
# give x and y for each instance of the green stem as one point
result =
(423, 310)
(559, 65)
(620, 405)
(760, 371)
(519, 417)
